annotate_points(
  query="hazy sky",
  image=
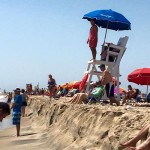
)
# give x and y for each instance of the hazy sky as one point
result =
(41, 37)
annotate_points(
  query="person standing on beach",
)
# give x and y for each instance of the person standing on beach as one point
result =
(4, 110)
(9, 98)
(16, 113)
(93, 38)
(24, 102)
(109, 86)
(51, 85)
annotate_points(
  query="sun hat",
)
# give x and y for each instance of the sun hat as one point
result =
(17, 89)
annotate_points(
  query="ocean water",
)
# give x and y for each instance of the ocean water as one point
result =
(3, 98)
(6, 123)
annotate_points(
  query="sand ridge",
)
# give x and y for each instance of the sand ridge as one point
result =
(56, 125)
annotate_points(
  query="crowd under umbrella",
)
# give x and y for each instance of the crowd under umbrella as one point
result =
(109, 19)
(140, 76)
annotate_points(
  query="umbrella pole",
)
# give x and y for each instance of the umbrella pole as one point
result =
(147, 90)
(105, 33)
(118, 93)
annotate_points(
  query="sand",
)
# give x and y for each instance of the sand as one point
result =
(56, 125)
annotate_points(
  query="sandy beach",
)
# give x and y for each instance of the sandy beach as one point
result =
(56, 125)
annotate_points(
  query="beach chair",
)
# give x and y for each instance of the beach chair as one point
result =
(96, 94)
(114, 52)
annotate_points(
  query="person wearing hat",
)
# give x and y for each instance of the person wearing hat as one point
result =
(16, 107)
(4, 110)
(109, 86)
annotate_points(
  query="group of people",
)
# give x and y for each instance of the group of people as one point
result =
(106, 81)
(135, 95)
(57, 92)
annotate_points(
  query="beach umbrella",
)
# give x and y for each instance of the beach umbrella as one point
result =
(121, 90)
(140, 76)
(109, 19)
(74, 84)
(83, 82)
(71, 85)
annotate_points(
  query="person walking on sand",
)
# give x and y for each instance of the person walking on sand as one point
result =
(109, 86)
(16, 107)
(51, 85)
(24, 102)
(93, 38)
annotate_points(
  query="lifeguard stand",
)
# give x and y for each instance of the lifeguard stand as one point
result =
(112, 51)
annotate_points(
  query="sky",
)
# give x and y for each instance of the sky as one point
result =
(41, 37)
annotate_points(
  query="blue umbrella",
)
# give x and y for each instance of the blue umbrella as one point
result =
(109, 19)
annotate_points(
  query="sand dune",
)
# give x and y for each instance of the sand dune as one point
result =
(55, 125)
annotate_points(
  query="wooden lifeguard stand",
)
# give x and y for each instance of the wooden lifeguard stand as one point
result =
(114, 51)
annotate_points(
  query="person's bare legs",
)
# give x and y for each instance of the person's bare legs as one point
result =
(18, 129)
(113, 100)
(74, 98)
(82, 96)
(144, 146)
(140, 135)
(51, 92)
(23, 111)
(93, 50)
(124, 100)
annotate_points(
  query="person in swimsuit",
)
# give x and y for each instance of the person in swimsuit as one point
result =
(130, 94)
(80, 98)
(51, 86)
(9, 98)
(108, 83)
(93, 38)
(24, 102)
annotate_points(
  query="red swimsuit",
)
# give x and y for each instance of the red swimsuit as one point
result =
(92, 38)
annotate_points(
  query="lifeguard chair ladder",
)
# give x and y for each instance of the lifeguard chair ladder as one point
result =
(115, 51)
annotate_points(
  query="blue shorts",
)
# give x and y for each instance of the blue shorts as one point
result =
(16, 116)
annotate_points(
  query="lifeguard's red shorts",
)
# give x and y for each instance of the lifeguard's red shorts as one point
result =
(93, 44)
